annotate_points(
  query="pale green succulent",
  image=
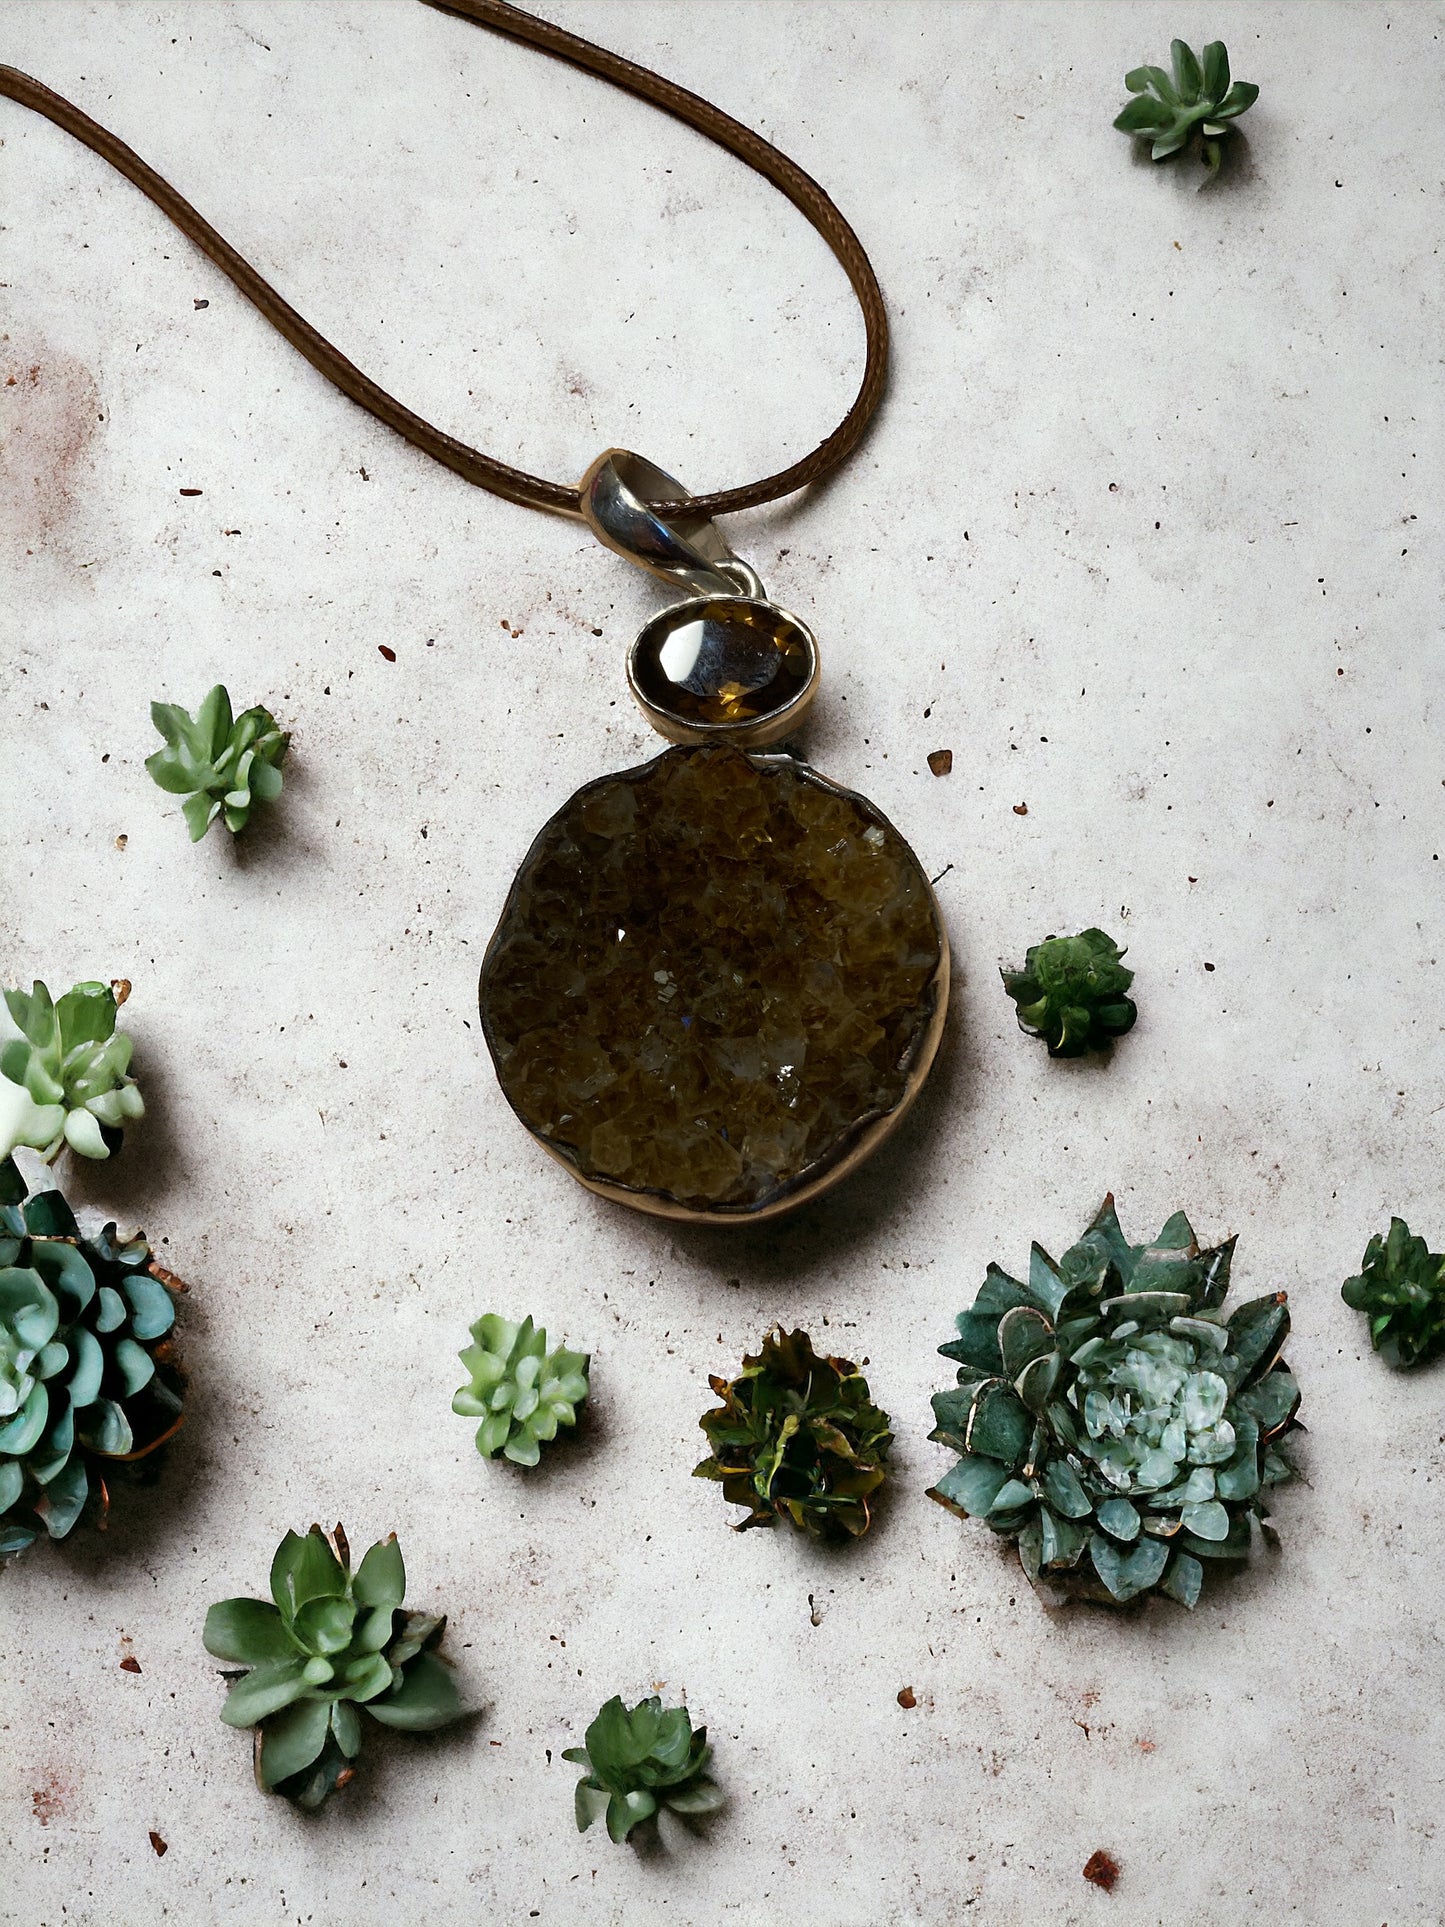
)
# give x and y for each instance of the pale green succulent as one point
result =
(220, 765)
(64, 1078)
(519, 1390)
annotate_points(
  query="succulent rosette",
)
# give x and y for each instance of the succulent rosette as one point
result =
(640, 1761)
(64, 1073)
(798, 1438)
(1112, 1420)
(521, 1392)
(1400, 1288)
(329, 1645)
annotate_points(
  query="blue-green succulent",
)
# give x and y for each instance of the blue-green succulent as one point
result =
(64, 1074)
(1112, 1420)
(88, 1380)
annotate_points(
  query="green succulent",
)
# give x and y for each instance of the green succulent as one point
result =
(87, 1378)
(1071, 991)
(220, 766)
(64, 1078)
(1401, 1290)
(797, 1437)
(640, 1761)
(328, 1642)
(1166, 109)
(518, 1389)
(1112, 1420)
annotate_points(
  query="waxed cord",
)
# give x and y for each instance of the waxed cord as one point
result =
(473, 466)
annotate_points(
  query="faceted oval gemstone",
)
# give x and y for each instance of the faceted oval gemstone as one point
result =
(722, 662)
(717, 980)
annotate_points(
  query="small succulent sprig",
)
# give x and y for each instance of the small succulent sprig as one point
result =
(1401, 1290)
(1110, 1418)
(640, 1761)
(88, 1379)
(519, 1390)
(222, 766)
(64, 1078)
(1166, 108)
(1071, 991)
(797, 1437)
(327, 1643)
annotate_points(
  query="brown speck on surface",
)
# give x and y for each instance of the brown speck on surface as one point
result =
(1021, 809)
(907, 1698)
(119, 989)
(198, 305)
(160, 1845)
(390, 654)
(191, 491)
(1209, 966)
(940, 761)
(1146, 1746)
(121, 841)
(1103, 1869)
(130, 1664)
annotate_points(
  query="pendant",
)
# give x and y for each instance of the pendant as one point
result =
(719, 979)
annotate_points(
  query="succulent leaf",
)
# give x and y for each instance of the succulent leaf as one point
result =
(641, 1759)
(1166, 108)
(64, 1075)
(85, 1382)
(1400, 1288)
(520, 1391)
(797, 1437)
(1125, 1434)
(327, 1642)
(221, 765)
(1071, 991)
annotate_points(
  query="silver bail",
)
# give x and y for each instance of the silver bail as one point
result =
(686, 549)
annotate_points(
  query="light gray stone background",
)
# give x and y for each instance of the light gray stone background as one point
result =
(1147, 534)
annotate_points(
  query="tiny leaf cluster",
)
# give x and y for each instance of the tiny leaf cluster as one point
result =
(328, 1643)
(519, 1390)
(87, 1379)
(220, 765)
(1071, 991)
(797, 1437)
(64, 1079)
(639, 1761)
(1111, 1420)
(1167, 108)
(1401, 1290)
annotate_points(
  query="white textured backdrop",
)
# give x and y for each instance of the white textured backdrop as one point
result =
(1147, 534)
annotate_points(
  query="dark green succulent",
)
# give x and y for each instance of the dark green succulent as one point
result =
(220, 765)
(1401, 1290)
(328, 1642)
(797, 1437)
(1112, 1420)
(64, 1079)
(519, 1390)
(639, 1762)
(1167, 108)
(87, 1378)
(1071, 991)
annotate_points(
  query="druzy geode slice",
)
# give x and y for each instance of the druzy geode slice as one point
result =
(717, 979)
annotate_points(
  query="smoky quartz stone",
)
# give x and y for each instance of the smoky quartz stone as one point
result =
(722, 661)
(717, 981)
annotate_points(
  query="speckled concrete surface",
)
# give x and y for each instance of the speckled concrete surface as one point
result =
(1147, 534)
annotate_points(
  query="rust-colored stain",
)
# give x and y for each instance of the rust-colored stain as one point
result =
(49, 415)
(130, 1664)
(1103, 1869)
(907, 1698)
(52, 1800)
(158, 1843)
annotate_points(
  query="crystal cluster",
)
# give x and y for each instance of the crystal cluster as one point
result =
(711, 973)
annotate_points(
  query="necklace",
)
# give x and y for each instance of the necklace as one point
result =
(720, 979)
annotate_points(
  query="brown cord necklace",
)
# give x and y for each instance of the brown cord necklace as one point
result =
(720, 979)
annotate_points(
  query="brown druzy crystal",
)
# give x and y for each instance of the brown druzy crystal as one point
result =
(713, 975)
